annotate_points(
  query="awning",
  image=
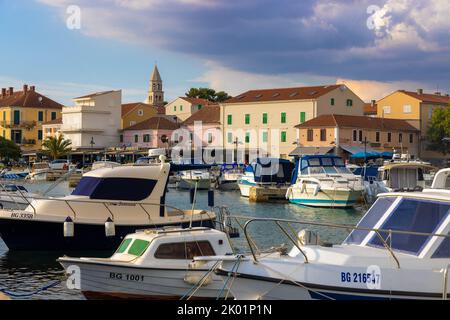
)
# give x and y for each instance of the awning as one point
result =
(366, 155)
(302, 151)
(355, 150)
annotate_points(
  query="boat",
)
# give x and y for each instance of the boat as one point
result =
(229, 176)
(324, 181)
(13, 196)
(39, 171)
(266, 173)
(104, 164)
(8, 174)
(400, 249)
(155, 264)
(200, 179)
(107, 204)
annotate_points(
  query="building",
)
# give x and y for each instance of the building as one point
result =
(345, 135)
(266, 119)
(133, 113)
(52, 128)
(371, 109)
(205, 127)
(22, 114)
(155, 132)
(94, 122)
(416, 108)
(184, 107)
(155, 96)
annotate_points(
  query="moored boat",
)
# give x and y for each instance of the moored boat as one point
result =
(200, 179)
(229, 176)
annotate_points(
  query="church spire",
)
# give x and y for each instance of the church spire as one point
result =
(155, 95)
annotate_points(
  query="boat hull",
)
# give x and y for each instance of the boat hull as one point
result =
(245, 189)
(202, 184)
(325, 198)
(35, 235)
(228, 185)
(105, 281)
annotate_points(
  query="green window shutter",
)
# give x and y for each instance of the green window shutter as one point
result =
(4, 115)
(283, 136)
(39, 134)
(230, 137)
(264, 119)
(247, 119)
(174, 108)
(181, 108)
(124, 245)
(332, 101)
(40, 116)
(230, 119)
(136, 138)
(302, 117)
(53, 115)
(16, 117)
(138, 247)
(247, 137)
(283, 117)
(264, 136)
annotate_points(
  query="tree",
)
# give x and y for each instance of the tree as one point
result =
(56, 148)
(438, 133)
(208, 94)
(9, 149)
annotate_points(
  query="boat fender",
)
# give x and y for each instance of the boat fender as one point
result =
(69, 227)
(308, 237)
(197, 278)
(316, 190)
(110, 228)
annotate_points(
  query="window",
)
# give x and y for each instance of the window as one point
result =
(411, 138)
(430, 113)
(332, 101)
(283, 117)
(406, 108)
(247, 137)
(247, 119)
(146, 138)
(174, 108)
(124, 245)
(264, 136)
(184, 250)
(53, 115)
(386, 109)
(199, 107)
(400, 137)
(389, 137)
(283, 136)
(323, 134)
(132, 123)
(41, 116)
(136, 138)
(16, 117)
(39, 134)
(121, 138)
(4, 134)
(210, 137)
(360, 135)
(181, 108)
(377, 136)
(443, 251)
(138, 247)
(230, 137)
(302, 117)
(310, 135)
(4, 115)
(126, 189)
(140, 112)
(264, 118)
(230, 119)
(349, 102)
(355, 135)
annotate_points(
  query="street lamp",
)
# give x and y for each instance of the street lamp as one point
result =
(365, 148)
(92, 143)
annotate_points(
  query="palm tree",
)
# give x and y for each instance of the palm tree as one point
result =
(55, 148)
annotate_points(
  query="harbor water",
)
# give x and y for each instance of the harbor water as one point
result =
(26, 272)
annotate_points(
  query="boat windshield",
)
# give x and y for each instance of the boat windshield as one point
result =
(403, 214)
(323, 165)
(127, 189)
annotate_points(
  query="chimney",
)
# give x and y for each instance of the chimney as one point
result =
(374, 102)
(3, 92)
(437, 93)
(25, 88)
(32, 88)
(420, 91)
(11, 91)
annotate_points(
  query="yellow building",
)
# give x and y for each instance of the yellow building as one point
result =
(416, 108)
(133, 113)
(22, 114)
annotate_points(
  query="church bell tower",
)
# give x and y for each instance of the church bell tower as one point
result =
(155, 91)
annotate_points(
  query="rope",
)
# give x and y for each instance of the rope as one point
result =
(30, 294)
(237, 263)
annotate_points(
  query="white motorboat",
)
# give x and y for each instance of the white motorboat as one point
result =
(155, 264)
(106, 205)
(400, 249)
(190, 179)
(14, 196)
(105, 164)
(229, 176)
(324, 181)
(39, 171)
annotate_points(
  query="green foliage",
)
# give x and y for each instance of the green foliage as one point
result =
(209, 94)
(9, 149)
(56, 148)
(439, 129)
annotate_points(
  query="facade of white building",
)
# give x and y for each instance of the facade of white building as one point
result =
(94, 121)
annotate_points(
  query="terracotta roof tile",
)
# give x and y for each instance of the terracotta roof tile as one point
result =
(427, 97)
(128, 107)
(298, 93)
(339, 120)
(155, 123)
(208, 114)
(201, 101)
(28, 99)
(370, 109)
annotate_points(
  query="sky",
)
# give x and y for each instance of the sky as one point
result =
(69, 48)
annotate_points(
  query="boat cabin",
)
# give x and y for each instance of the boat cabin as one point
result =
(270, 170)
(320, 165)
(415, 220)
(407, 175)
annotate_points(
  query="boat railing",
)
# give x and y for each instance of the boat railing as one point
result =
(294, 238)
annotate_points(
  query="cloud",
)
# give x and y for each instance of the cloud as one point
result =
(401, 40)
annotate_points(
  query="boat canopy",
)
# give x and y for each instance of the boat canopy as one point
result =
(230, 166)
(271, 170)
(406, 214)
(319, 164)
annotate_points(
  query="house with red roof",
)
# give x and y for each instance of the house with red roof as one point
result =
(184, 107)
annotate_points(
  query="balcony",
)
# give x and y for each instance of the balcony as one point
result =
(27, 142)
(21, 124)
